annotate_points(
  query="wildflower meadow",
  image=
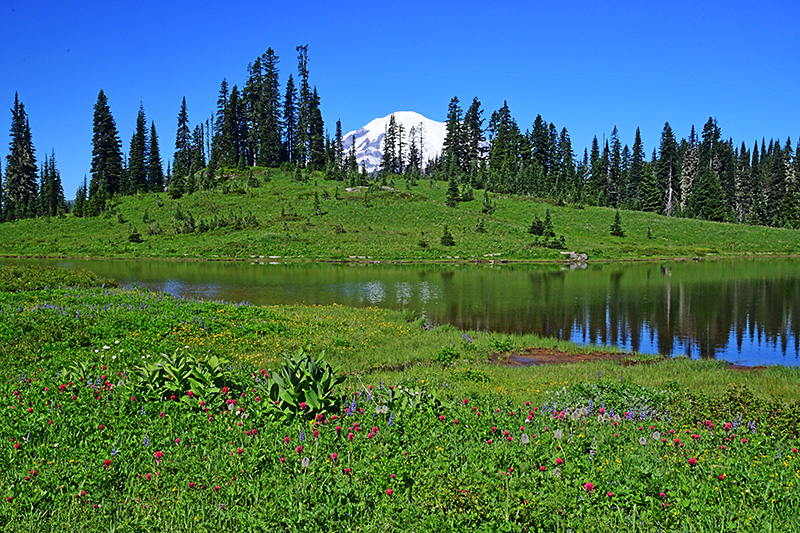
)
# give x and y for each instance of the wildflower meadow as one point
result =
(128, 410)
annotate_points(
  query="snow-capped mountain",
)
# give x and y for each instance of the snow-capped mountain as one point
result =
(369, 139)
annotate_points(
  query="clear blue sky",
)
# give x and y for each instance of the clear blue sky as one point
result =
(586, 66)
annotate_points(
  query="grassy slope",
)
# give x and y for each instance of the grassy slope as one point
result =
(389, 229)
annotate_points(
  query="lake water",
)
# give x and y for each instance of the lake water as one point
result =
(745, 312)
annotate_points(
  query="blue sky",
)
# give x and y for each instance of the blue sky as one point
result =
(586, 66)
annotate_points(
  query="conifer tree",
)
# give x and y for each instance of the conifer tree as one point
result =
(454, 147)
(452, 192)
(635, 173)
(303, 106)
(80, 200)
(155, 170)
(689, 167)
(616, 226)
(316, 134)
(668, 167)
(338, 148)
(182, 159)
(107, 171)
(473, 135)
(290, 122)
(270, 132)
(615, 176)
(20, 185)
(51, 195)
(137, 156)
(447, 237)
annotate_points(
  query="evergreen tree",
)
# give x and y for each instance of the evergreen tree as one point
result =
(447, 237)
(688, 169)
(155, 170)
(290, 122)
(303, 107)
(452, 192)
(270, 132)
(51, 195)
(636, 171)
(667, 168)
(338, 149)
(615, 177)
(20, 186)
(107, 172)
(316, 134)
(413, 166)
(651, 195)
(566, 181)
(220, 144)
(454, 149)
(707, 200)
(616, 226)
(182, 161)
(80, 200)
(473, 135)
(137, 156)
(744, 190)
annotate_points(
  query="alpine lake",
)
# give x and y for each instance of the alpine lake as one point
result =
(746, 312)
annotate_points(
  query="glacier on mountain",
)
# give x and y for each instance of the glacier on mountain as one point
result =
(369, 139)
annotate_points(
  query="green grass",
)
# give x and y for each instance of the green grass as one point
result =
(387, 225)
(467, 446)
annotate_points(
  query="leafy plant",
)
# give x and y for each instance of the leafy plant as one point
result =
(187, 378)
(447, 355)
(304, 386)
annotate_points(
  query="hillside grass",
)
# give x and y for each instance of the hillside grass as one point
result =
(386, 224)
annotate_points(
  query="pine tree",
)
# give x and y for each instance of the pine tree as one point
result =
(651, 196)
(474, 136)
(688, 169)
(413, 165)
(707, 200)
(155, 170)
(635, 173)
(338, 149)
(615, 177)
(447, 237)
(80, 200)
(303, 107)
(316, 134)
(452, 192)
(107, 171)
(454, 147)
(616, 226)
(668, 167)
(270, 132)
(137, 156)
(20, 186)
(182, 161)
(290, 122)
(51, 195)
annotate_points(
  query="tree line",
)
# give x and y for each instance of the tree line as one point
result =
(255, 125)
(701, 176)
(705, 176)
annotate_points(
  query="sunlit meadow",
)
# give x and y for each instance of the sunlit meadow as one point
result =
(425, 434)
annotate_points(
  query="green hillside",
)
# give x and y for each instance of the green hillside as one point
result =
(267, 213)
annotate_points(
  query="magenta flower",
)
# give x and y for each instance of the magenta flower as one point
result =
(692, 461)
(158, 455)
(389, 492)
(559, 461)
(588, 487)
(334, 456)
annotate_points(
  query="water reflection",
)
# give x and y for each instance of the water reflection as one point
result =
(740, 311)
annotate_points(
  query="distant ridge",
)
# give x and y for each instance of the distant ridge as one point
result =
(369, 139)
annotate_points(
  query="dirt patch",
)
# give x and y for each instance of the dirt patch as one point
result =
(542, 356)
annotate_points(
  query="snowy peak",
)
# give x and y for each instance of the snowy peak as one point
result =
(369, 139)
